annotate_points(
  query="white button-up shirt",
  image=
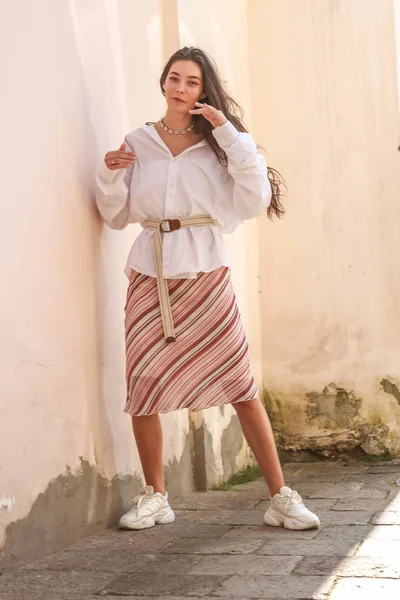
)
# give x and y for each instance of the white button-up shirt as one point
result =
(160, 186)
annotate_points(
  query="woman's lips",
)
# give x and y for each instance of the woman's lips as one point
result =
(179, 100)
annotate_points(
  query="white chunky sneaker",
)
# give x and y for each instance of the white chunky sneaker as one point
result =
(149, 508)
(287, 509)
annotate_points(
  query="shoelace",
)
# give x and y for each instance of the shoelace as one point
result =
(295, 498)
(144, 498)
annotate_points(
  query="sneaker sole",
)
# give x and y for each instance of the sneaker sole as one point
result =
(301, 526)
(278, 521)
(160, 518)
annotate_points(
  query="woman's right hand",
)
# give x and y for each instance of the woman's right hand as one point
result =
(119, 159)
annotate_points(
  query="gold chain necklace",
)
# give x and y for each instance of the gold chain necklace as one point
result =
(176, 131)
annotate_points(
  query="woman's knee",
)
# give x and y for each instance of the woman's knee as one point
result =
(246, 406)
(145, 419)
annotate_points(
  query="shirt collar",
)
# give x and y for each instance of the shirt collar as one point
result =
(153, 133)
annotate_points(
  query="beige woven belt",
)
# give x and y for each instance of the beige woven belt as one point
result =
(167, 226)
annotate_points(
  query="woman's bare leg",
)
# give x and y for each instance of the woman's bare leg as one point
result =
(149, 441)
(258, 433)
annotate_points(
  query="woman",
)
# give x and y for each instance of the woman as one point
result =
(187, 179)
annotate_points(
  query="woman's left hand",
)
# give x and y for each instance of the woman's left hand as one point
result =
(216, 117)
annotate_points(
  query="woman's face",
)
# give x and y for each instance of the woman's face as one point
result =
(183, 86)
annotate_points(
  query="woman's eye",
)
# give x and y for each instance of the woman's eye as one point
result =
(173, 79)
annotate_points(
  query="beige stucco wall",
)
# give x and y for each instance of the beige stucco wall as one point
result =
(61, 342)
(326, 107)
(80, 74)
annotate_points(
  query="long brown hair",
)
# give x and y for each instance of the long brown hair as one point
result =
(217, 96)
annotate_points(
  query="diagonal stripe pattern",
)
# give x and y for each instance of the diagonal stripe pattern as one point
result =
(208, 365)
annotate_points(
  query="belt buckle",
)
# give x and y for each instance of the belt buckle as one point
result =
(169, 225)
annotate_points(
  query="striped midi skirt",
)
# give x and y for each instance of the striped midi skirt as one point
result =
(208, 364)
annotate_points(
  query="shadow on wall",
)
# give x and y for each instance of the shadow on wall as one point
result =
(208, 455)
(72, 506)
(75, 505)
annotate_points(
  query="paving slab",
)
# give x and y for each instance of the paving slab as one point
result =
(325, 467)
(387, 517)
(218, 500)
(318, 489)
(246, 565)
(339, 492)
(323, 478)
(202, 529)
(265, 533)
(384, 532)
(332, 541)
(357, 566)
(212, 546)
(189, 585)
(157, 597)
(393, 502)
(67, 596)
(231, 517)
(219, 547)
(122, 560)
(289, 587)
(380, 482)
(322, 472)
(46, 584)
(379, 549)
(366, 504)
(385, 469)
(353, 535)
(361, 517)
(308, 548)
(254, 488)
(366, 589)
(148, 540)
(394, 492)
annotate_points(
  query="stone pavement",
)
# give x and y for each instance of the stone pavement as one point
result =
(218, 547)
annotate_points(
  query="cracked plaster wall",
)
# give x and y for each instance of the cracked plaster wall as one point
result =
(330, 285)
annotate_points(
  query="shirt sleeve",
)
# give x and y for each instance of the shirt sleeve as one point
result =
(113, 196)
(248, 168)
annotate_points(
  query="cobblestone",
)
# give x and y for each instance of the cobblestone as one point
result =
(218, 547)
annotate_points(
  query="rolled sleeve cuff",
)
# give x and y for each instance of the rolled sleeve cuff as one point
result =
(107, 174)
(226, 134)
